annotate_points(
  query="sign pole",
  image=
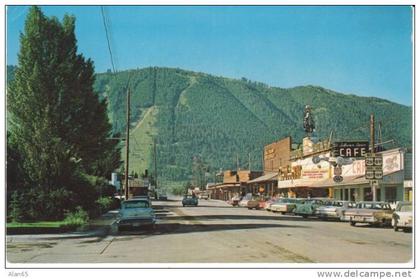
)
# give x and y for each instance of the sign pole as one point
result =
(372, 186)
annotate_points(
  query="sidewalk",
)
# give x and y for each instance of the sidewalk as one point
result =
(96, 227)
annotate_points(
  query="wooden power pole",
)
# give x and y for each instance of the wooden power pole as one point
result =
(127, 138)
(154, 152)
(372, 151)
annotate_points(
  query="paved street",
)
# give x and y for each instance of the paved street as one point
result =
(215, 232)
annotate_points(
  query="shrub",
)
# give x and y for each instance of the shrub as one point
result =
(77, 218)
(104, 204)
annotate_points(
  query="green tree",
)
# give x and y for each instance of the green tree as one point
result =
(56, 121)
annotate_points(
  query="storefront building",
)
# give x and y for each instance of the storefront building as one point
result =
(265, 185)
(356, 187)
(303, 178)
(234, 184)
(312, 170)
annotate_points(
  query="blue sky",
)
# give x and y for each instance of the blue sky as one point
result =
(362, 50)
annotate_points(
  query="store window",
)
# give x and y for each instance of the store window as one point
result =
(337, 194)
(367, 194)
(390, 194)
(353, 194)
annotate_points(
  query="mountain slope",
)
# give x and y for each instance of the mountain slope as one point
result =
(194, 114)
(217, 119)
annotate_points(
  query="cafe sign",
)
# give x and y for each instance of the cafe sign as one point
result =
(350, 149)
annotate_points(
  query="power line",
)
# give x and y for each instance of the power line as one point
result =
(106, 24)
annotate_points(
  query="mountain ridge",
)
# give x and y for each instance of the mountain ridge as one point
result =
(217, 119)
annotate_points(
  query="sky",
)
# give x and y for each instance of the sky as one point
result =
(361, 50)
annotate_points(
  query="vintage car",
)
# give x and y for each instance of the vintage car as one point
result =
(255, 202)
(402, 218)
(375, 213)
(162, 197)
(190, 200)
(136, 213)
(203, 196)
(234, 201)
(244, 201)
(308, 206)
(346, 206)
(333, 209)
(268, 203)
(285, 205)
(263, 202)
(143, 197)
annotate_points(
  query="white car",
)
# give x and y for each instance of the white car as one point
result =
(285, 205)
(136, 213)
(402, 218)
(333, 209)
(341, 210)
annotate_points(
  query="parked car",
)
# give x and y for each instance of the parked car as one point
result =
(254, 202)
(333, 209)
(285, 205)
(143, 197)
(346, 206)
(402, 218)
(269, 203)
(234, 201)
(263, 202)
(375, 213)
(162, 197)
(136, 213)
(203, 196)
(189, 200)
(244, 201)
(308, 207)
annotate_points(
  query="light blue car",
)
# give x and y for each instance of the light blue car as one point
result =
(136, 213)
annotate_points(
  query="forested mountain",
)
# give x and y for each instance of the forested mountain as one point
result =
(196, 115)
(215, 119)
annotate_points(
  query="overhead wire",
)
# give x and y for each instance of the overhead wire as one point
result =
(106, 22)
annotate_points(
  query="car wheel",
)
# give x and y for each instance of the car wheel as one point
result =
(249, 208)
(183, 205)
(352, 223)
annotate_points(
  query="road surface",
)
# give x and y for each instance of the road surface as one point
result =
(215, 232)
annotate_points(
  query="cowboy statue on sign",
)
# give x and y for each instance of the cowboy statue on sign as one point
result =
(308, 121)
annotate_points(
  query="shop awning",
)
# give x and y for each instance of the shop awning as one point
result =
(295, 183)
(347, 180)
(228, 185)
(271, 176)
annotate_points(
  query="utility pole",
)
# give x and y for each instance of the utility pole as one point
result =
(127, 137)
(262, 161)
(237, 162)
(380, 134)
(154, 152)
(372, 151)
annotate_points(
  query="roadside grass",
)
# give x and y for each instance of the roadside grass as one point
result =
(40, 227)
(72, 222)
(39, 224)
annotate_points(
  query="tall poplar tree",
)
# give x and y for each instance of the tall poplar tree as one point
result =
(56, 121)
